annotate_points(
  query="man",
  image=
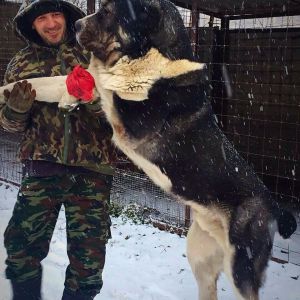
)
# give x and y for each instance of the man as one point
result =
(66, 158)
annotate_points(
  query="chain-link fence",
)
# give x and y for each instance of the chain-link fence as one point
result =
(254, 67)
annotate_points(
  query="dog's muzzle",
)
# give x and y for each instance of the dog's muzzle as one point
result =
(78, 25)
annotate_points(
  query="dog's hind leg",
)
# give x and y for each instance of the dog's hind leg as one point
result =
(251, 236)
(240, 273)
(206, 260)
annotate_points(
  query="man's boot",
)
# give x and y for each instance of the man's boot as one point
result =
(27, 290)
(70, 295)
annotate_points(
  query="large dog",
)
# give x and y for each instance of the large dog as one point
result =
(154, 96)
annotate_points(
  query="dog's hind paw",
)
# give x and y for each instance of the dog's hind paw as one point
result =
(287, 224)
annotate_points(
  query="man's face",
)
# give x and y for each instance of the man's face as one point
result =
(51, 27)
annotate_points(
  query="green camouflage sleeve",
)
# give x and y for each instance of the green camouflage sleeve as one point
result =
(8, 76)
(14, 68)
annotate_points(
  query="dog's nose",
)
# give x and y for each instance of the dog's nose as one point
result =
(78, 25)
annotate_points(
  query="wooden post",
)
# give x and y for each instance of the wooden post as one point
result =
(91, 6)
(194, 27)
(220, 57)
(187, 217)
(194, 42)
(225, 22)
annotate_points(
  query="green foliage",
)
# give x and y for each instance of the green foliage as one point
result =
(132, 212)
(115, 209)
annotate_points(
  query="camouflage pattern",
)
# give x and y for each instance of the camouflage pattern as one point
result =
(78, 138)
(29, 231)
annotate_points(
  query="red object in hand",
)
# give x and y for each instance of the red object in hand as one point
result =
(80, 84)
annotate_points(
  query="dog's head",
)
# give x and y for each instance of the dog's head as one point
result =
(132, 27)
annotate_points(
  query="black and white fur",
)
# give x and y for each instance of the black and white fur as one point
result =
(154, 96)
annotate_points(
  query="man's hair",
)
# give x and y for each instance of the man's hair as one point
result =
(41, 9)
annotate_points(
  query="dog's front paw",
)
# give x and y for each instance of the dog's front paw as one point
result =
(68, 101)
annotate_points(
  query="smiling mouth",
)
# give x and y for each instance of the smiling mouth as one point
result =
(53, 35)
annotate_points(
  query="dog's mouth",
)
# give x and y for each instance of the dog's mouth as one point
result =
(112, 53)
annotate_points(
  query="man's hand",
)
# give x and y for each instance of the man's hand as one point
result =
(21, 97)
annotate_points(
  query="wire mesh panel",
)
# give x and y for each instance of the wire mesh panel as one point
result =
(10, 168)
(262, 116)
(254, 69)
(9, 43)
(132, 187)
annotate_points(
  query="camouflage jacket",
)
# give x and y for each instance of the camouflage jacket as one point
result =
(77, 138)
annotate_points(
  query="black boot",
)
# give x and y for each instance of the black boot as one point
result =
(70, 295)
(27, 290)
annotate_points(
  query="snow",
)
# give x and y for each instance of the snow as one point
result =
(143, 263)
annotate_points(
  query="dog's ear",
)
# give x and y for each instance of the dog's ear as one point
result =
(151, 15)
(139, 19)
(139, 14)
(170, 36)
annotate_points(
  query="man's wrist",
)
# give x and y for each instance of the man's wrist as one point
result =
(11, 114)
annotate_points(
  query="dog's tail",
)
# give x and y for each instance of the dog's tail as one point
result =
(286, 222)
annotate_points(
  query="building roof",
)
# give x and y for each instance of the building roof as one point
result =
(241, 9)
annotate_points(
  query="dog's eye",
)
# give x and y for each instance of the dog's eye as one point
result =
(107, 9)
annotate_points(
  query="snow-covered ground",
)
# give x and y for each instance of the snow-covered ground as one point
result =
(142, 263)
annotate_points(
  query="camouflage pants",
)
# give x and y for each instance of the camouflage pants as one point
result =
(30, 229)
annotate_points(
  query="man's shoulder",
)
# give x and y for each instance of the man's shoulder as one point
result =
(22, 55)
(18, 64)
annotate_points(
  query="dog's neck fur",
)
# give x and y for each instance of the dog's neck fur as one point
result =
(132, 79)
